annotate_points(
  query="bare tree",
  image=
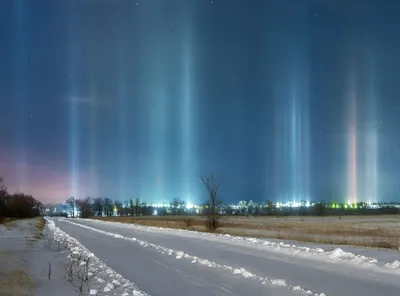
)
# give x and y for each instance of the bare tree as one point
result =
(131, 207)
(3, 188)
(20, 205)
(84, 206)
(211, 209)
(71, 203)
(3, 199)
(137, 206)
(108, 206)
(98, 207)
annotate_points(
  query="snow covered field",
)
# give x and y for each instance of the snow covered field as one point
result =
(176, 262)
(366, 231)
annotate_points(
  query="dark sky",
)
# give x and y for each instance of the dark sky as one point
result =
(281, 99)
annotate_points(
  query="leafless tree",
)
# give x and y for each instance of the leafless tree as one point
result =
(137, 206)
(20, 205)
(3, 198)
(98, 207)
(108, 206)
(211, 209)
(71, 203)
(3, 187)
(84, 207)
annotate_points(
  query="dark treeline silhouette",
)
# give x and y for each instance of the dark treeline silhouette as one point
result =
(213, 208)
(106, 207)
(17, 205)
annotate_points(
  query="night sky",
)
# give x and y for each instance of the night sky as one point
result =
(283, 100)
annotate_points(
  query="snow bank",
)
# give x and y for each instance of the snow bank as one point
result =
(201, 261)
(334, 256)
(118, 284)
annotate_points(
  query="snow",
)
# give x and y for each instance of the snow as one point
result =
(23, 249)
(395, 264)
(337, 255)
(96, 265)
(239, 271)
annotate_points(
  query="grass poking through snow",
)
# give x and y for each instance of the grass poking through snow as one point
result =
(366, 231)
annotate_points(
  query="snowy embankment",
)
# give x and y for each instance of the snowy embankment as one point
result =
(338, 255)
(179, 255)
(104, 280)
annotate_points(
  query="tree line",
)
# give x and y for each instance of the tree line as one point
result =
(88, 207)
(213, 208)
(17, 205)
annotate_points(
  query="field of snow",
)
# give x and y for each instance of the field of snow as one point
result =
(175, 262)
(367, 231)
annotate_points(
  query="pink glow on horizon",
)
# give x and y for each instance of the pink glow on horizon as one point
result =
(46, 183)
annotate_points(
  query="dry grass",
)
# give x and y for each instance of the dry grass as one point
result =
(15, 283)
(368, 231)
(40, 224)
(8, 222)
(14, 279)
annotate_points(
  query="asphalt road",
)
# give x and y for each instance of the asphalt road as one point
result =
(146, 262)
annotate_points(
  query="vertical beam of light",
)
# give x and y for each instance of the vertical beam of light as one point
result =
(157, 91)
(93, 131)
(292, 151)
(187, 114)
(122, 117)
(160, 139)
(371, 142)
(352, 143)
(74, 109)
(294, 143)
(21, 85)
(298, 143)
(305, 142)
(279, 151)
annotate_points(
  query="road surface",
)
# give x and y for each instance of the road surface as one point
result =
(219, 267)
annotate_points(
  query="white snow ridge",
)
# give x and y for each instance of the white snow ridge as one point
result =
(336, 256)
(118, 284)
(196, 260)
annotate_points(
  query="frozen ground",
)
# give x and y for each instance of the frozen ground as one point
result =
(49, 262)
(365, 231)
(24, 262)
(175, 262)
(86, 272)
